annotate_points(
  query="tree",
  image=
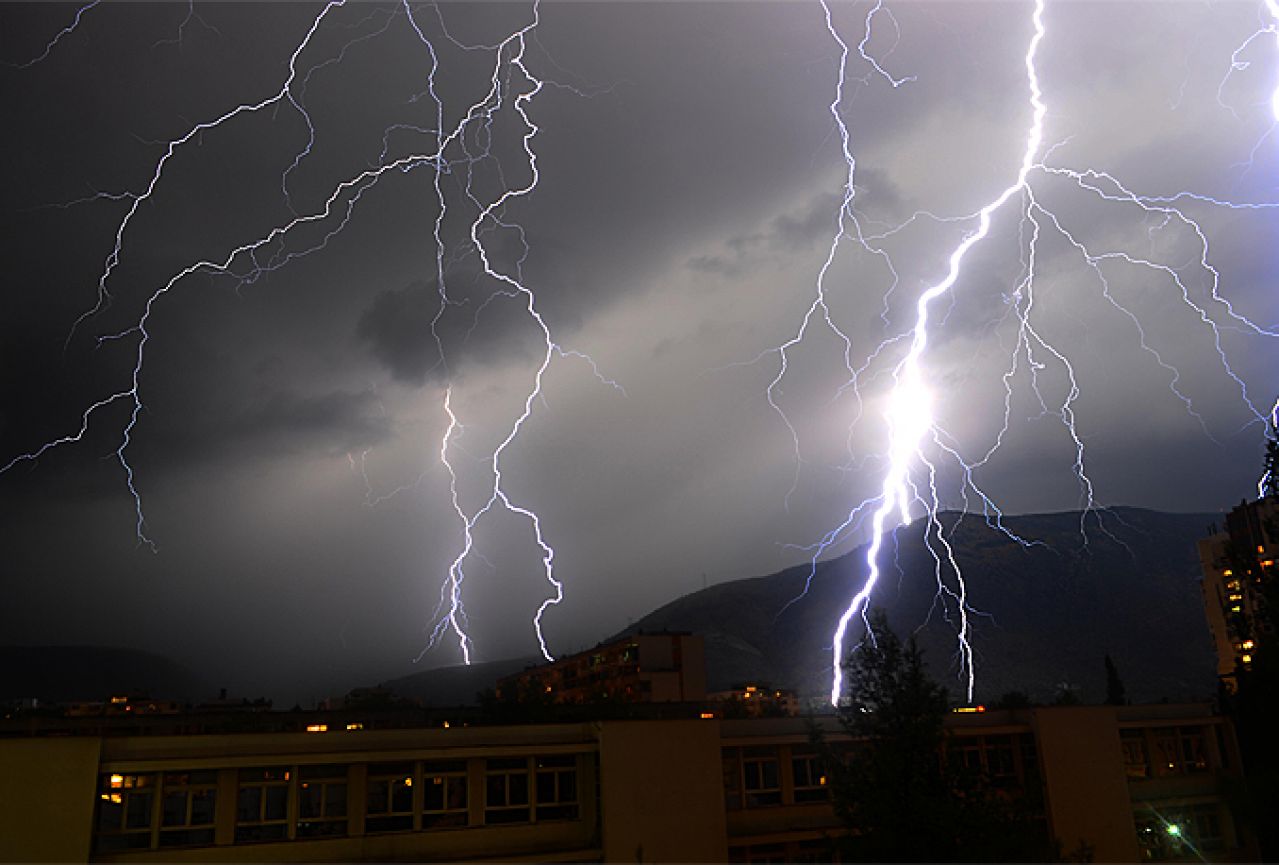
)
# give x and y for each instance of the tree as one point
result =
(1116, 694)
(900, 797)
(1270, 464)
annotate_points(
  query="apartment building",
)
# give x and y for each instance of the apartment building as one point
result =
(1235, 561)
(1133, 783)
(666, 667)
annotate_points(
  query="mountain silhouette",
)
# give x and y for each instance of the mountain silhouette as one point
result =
(1044, 613)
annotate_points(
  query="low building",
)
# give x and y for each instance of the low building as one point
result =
(1130, 782)
(753, 701)
(668, 667)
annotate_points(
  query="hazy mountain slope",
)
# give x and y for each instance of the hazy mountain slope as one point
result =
(455, 686)
(58, 673)
(1052, 610)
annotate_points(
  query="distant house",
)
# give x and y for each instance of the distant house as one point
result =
(667, 667)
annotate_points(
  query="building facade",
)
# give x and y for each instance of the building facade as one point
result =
(1130, 783)
(1235, 561)
(668, 667)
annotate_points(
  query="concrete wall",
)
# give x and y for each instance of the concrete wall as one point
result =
(1087, 790)
(662, 792)
(47, 789)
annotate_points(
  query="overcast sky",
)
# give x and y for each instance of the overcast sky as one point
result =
(689, 180)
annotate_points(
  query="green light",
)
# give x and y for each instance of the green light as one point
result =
(1174, 830)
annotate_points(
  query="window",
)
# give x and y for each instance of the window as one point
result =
(1029, 757)
(1136, 761)
(262, 805)
(186, 808)
(557, 788)
(506, 782)
(1180, 831)
(1180, 751)
(1167, 757)
(810, 779)
(389, 798)
(732, 779)
(760, 777)
(1193, 758)
(321, 801)
(444, 799)
(125, 812)
(1001, 766)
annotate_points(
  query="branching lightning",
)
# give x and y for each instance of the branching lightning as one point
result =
(915, 438)
(511, 86)
(918, 448)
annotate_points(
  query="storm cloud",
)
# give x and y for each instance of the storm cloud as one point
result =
(689, 179)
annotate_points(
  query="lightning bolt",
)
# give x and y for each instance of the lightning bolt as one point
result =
(511, 86)
(918, 445)
(58, 37)
(910, 476)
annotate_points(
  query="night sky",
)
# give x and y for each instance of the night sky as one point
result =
(689, 180)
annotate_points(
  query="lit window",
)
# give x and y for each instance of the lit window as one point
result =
(810, 780)
(125, 812)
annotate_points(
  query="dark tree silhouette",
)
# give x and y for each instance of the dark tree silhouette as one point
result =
(899, 796)
(1270, 464)
(1116, 694)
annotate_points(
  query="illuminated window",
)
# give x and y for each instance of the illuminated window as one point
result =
(126, 805)
(389, 798)
(187, 803)
(262, 805)
(506, 790)
(444, 794)
(321, 801)
(556, 787)
(810, 779)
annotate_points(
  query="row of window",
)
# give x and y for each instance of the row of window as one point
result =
(153, 810)
(753, 775)
(1156, 752)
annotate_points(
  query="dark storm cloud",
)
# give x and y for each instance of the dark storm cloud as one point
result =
(394, 327)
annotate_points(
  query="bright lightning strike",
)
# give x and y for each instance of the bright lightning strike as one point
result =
(909, 413)
(910, 473)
